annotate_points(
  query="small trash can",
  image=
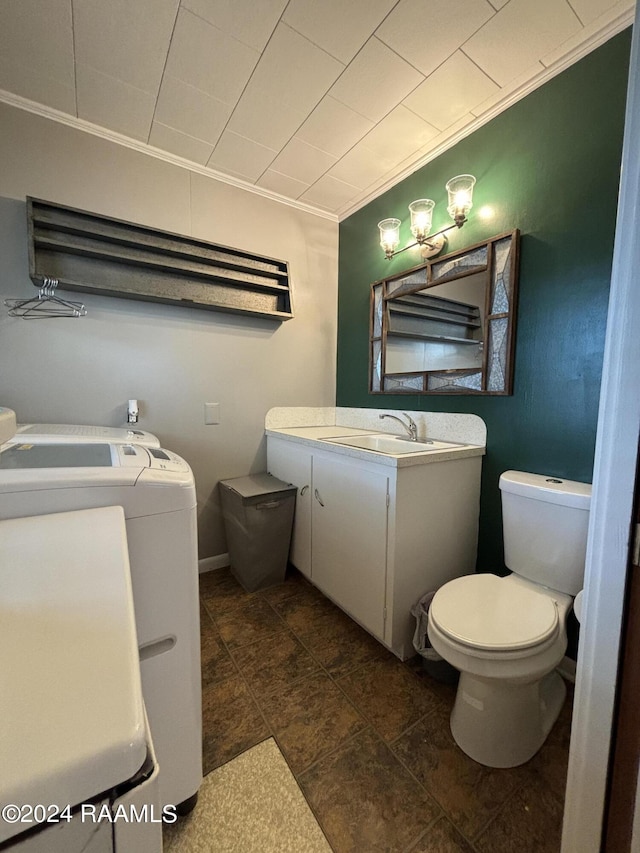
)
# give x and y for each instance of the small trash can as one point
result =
(432, 663)
(258, 519)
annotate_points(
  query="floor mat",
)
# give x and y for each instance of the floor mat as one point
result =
(249, 805)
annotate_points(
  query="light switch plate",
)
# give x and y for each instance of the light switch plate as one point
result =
(212, 413)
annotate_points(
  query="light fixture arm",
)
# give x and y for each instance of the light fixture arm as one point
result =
(426, 241)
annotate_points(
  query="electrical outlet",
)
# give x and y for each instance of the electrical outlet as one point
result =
(212, 413)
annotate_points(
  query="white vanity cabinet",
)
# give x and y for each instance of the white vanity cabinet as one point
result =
(374, 537)
(292, 463)
(349, 537)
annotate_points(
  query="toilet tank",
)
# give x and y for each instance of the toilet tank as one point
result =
(544, 522)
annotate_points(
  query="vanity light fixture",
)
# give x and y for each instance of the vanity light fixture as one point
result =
(389, 236)
(460, 192)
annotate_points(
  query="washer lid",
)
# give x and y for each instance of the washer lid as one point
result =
(76, 433)
(486, 612)
(26, 456)
(71, 706)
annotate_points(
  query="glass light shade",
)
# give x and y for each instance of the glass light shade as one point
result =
(421, 213)
(389, 235)
(460, 190)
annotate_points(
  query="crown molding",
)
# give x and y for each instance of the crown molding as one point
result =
(52, 114)
(612, 27)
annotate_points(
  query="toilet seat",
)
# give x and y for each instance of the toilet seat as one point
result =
(485, 612)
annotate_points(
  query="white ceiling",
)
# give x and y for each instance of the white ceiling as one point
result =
(327, 102)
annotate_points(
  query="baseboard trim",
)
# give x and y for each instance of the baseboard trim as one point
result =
(567, 669)
(210, 564)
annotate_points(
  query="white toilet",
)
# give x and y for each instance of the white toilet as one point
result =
(507, 635)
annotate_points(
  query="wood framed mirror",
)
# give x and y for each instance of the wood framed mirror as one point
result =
(447, 326)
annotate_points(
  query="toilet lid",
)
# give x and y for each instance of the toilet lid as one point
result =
(486, 612)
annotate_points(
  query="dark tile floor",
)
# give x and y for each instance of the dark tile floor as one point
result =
(365, 735)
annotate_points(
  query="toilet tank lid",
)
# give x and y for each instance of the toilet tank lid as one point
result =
(542, 487)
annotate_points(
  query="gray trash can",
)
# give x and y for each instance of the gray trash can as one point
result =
(258, 518)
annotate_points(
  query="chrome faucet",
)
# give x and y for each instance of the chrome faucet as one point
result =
(411, 427)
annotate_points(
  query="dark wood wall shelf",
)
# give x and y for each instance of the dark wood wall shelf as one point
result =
(96, 254)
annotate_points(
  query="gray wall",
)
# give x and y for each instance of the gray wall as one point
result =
(172, 359)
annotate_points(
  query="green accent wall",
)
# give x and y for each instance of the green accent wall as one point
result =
(549, 165)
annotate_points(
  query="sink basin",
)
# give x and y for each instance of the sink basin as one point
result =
(391, 445)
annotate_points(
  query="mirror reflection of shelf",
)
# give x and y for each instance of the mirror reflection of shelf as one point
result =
(434, 318)
(440, 339)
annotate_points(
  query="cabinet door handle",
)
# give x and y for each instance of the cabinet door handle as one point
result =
(318, 498)
(304, 490)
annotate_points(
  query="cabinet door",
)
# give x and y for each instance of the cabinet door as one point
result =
(292, 463)
(350, 538)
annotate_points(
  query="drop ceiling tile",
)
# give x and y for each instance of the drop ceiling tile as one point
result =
(519, 35)
(239, 18)
(36, 39)
(262, 116)
(592, 27)
(359, 167)
(417, 159)
(113, 104)
(451, 91)
(241, 156)
(426, 35)
(589, 10)
(333, 127)
(375, 81)
(167, 139)
(566, 48)
(448, 133)
(522, 81)
(398, 135)
(209, 59)
(330, 193)
(283, 184)
(31, 83)
(303, 162)
(125, 40)
(336, 26)
(315, 71)
(191, 111)
(459, 125)
(458, 130)
(435, 146)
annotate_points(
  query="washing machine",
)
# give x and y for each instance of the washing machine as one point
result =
(78, 771)
(156, 491)
(76, 433)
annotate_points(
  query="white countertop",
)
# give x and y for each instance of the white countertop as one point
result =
(313, 435)
(448, 426)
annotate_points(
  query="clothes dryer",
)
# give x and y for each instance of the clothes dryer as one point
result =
(156, 490)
